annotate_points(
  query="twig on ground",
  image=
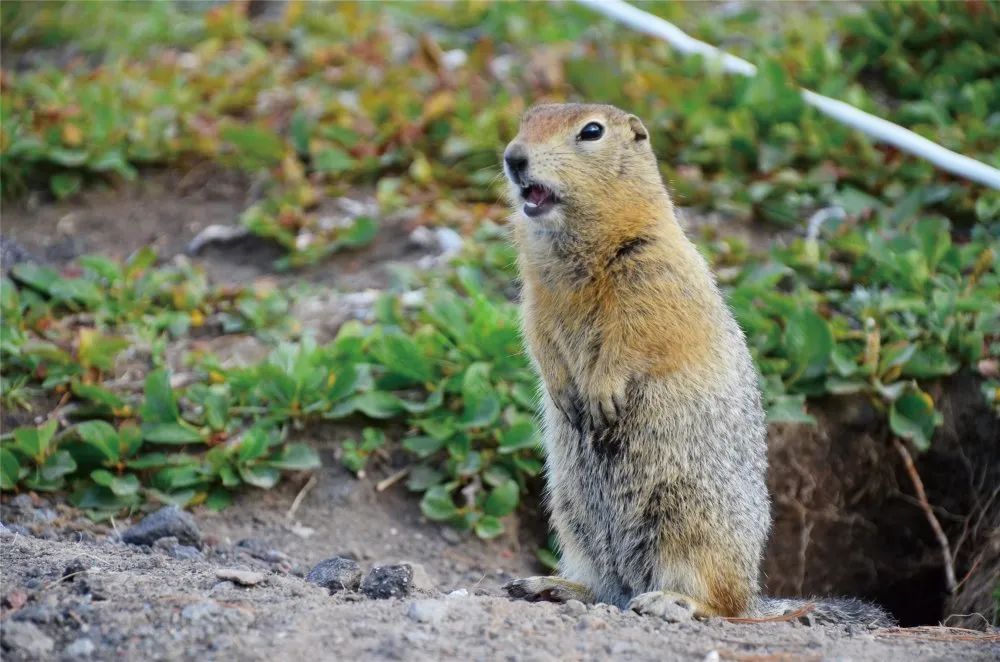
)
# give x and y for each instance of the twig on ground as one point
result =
(386, 483)
(300, 496)
(918, 486)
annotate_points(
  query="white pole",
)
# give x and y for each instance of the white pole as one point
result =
(876, 127)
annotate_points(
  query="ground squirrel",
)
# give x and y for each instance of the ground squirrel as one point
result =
(653, 422)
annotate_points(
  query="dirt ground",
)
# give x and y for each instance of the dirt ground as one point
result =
(72, 590)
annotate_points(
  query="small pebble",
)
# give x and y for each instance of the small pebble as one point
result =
(388, 581)
(241, 577)
(575, 608)
(336, 574)
(167, 521)
(459, 593)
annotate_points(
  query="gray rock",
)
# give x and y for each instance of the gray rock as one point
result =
(82, 647)
(26, 638)
(427, 611)
(336, 574)
(575, 608)
(388, 581)
(167, 521)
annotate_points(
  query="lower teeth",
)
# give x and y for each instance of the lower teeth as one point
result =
(530, 204)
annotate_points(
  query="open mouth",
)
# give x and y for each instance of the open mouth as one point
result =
(538, 199)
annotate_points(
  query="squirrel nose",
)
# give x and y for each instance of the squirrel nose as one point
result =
(516, 159)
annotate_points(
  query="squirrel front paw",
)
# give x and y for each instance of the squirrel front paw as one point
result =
(548, 589)
(607, 407)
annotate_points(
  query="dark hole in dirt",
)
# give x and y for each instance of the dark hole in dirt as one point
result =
(847, 521)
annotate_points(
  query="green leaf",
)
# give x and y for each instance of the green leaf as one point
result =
(437, 504)
(58, 465)
(402, 355)
(913, 417)
(488, 527)
(253, 444)
(423, 477)
(299, 130)
(482, 405)
(160, 405)
(101, 436)
(808, 344)
(216, 410)
(296, 457)
(170, 433)
(97, 394)
(423, 446)
(260, 476)
(518, 436)
(36, 276)
(10, 469)
(502, 499)
(377, 404)
(126, 485)
(257, 144)
(333, 160)
(34, 442)
(789, 409)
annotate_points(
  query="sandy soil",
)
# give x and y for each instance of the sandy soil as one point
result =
(78, 593)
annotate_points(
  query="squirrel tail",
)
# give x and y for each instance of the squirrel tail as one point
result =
(827, 611)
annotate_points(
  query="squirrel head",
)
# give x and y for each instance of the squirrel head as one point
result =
(573, 164)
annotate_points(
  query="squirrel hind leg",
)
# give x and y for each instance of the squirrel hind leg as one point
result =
(549, 589)
(670, 606)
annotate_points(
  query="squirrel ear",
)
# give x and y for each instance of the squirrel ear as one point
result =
(637, 128)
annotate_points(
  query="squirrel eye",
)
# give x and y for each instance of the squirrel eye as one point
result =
(592, 131)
